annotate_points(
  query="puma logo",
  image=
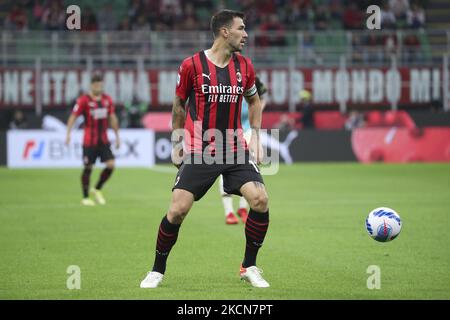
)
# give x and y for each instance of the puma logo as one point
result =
(282, 147)
(207, 75)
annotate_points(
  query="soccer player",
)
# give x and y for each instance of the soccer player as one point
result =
(227, 199)
(97, 109)
(214, 82)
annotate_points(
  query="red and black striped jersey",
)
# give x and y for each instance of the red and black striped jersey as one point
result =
(96, 115)
(215, 97)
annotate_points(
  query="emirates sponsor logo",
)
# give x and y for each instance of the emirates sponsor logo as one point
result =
(99, 113)
(221, 89)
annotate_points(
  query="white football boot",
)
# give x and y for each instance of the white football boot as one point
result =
(152, 280)
(87, 202)
(98, 195)
(253, 275)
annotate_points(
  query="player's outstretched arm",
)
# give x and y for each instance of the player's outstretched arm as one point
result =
(255, 115)
(70, 123)
(114, 122)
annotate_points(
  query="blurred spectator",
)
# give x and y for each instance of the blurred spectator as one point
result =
(190, 21)
(5, 7)
(415, 17)
(399, 8)
(141, 24)
(125, 24)
(18, 121)
(53, 16)
(134, 10)
(38, 10)
(307, 119)
(168, 16)
(251, 12)
(336, 13)
(106, 18)
(132, 113)
(16, 19)
(273, 32)
(171, 13)
(151, 9)
(355, 120)
(353, 17)
(266, 7)
(89, 20)
(321, 18)
(295, 16)
(388, 19)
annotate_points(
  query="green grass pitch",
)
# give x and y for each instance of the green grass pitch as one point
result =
(316, 247)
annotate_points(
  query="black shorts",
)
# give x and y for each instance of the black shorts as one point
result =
(198, 178)
(90, 154)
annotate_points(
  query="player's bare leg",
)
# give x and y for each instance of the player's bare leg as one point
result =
(104, 176)
(180, 205)
(85, 180)
(255, 231)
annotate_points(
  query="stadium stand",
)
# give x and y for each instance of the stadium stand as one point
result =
(156, 34)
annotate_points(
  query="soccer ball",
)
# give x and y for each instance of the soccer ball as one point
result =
(383, 224)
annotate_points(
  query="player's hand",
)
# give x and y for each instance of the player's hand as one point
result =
(117, 143)
(256, 149)
(67, 142)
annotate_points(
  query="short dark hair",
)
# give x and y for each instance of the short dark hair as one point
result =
(224, 18)
(96, 77)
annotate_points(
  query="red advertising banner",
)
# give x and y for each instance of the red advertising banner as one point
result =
(56, 87)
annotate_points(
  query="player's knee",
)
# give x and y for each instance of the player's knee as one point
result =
(177, 212)
(260, 202)
(110, 165)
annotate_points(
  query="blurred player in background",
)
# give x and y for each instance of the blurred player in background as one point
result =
(227, 199)
(215, 81)
(97, 109)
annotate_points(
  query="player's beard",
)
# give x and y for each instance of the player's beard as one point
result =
(236, 48)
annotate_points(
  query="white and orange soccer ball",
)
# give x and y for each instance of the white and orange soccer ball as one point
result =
(383, 224)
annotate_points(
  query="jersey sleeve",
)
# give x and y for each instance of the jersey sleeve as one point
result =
(184, 80)
(250, 88)
(79, 106)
